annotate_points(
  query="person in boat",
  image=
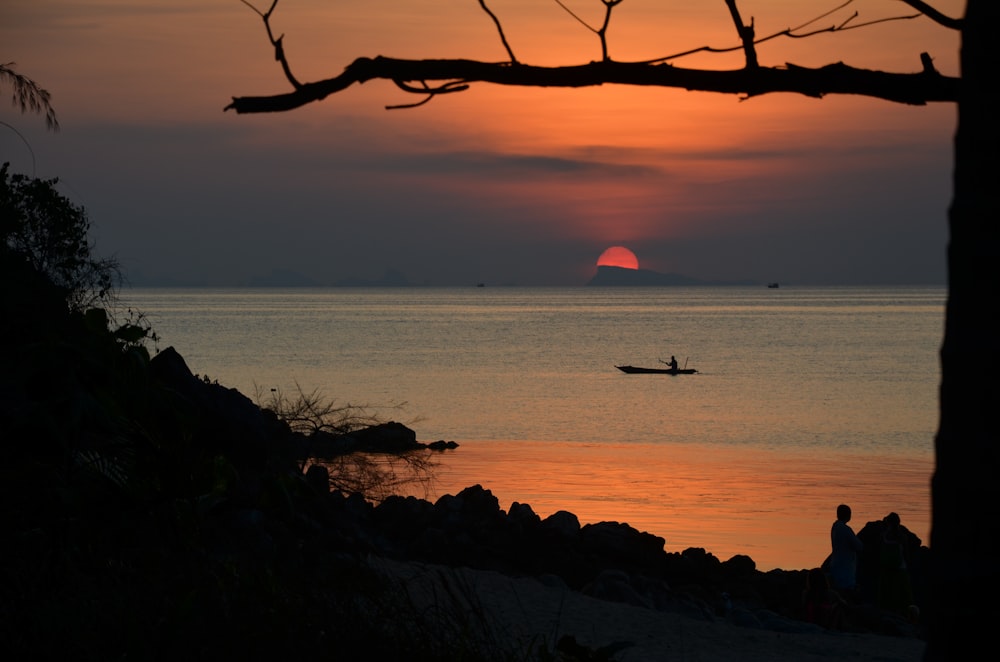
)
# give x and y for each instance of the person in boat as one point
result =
(672, 363)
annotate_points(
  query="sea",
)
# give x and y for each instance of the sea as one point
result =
(804, 397)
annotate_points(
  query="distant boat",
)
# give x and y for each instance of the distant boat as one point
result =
(635, 370)
(773, 286)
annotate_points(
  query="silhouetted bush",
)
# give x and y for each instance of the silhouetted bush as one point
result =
(142, 518)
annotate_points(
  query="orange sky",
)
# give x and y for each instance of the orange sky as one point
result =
(495, 184)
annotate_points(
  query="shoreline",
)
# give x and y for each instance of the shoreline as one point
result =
(698, 496)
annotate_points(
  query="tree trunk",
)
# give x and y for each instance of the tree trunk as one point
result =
(964, 605)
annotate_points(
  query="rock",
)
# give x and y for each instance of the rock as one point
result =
(441, 445)
(391, 437)
(228, 420)
(522, 515)
(622, 544)
(562, 524)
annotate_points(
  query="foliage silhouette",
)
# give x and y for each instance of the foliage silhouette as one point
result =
(28, 96)
(376, 475)
(44, 228)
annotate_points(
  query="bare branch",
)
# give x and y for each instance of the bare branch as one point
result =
(916, 89)
(456, 75)
(934, 14)
(279, 49)
(791, 33)
(503, 38)
(609, 5)
(746, 33)
(26, 144)
(843, 26)
(404, 106)
(825, 14)
(928, 63)
(447, 88)
(257, 11)
(580, 20)
(601, 32)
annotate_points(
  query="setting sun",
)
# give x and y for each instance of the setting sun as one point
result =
(618, 256)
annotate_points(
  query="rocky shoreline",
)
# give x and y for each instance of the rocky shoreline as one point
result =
(609, 561)
(179, 520)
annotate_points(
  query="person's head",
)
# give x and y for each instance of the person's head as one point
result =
(892, 521)
(844, 513)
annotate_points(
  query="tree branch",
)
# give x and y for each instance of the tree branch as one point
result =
(447, 88)
(455, 75)
(914, 88)
(793, 33)
(609, 6)
(579, 20)
(503, 38)
(601, 32)
(279, 49)
(934, 14)
(746, 33)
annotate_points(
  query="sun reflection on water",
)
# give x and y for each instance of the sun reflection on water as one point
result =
(774, 506)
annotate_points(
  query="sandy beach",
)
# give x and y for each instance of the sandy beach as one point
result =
(524, 612)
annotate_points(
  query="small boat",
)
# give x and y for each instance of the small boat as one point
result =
(635, 370)
(772, 286)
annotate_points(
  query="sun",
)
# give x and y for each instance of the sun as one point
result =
(618, 256)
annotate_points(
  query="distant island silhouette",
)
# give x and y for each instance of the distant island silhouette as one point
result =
(282, 278)
(289, 278)
(391, 278)
(621, 277)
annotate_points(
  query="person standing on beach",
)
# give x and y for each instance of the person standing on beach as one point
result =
(894, 589)
(844, 557)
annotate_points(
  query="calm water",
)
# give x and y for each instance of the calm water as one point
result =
(805, 397)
